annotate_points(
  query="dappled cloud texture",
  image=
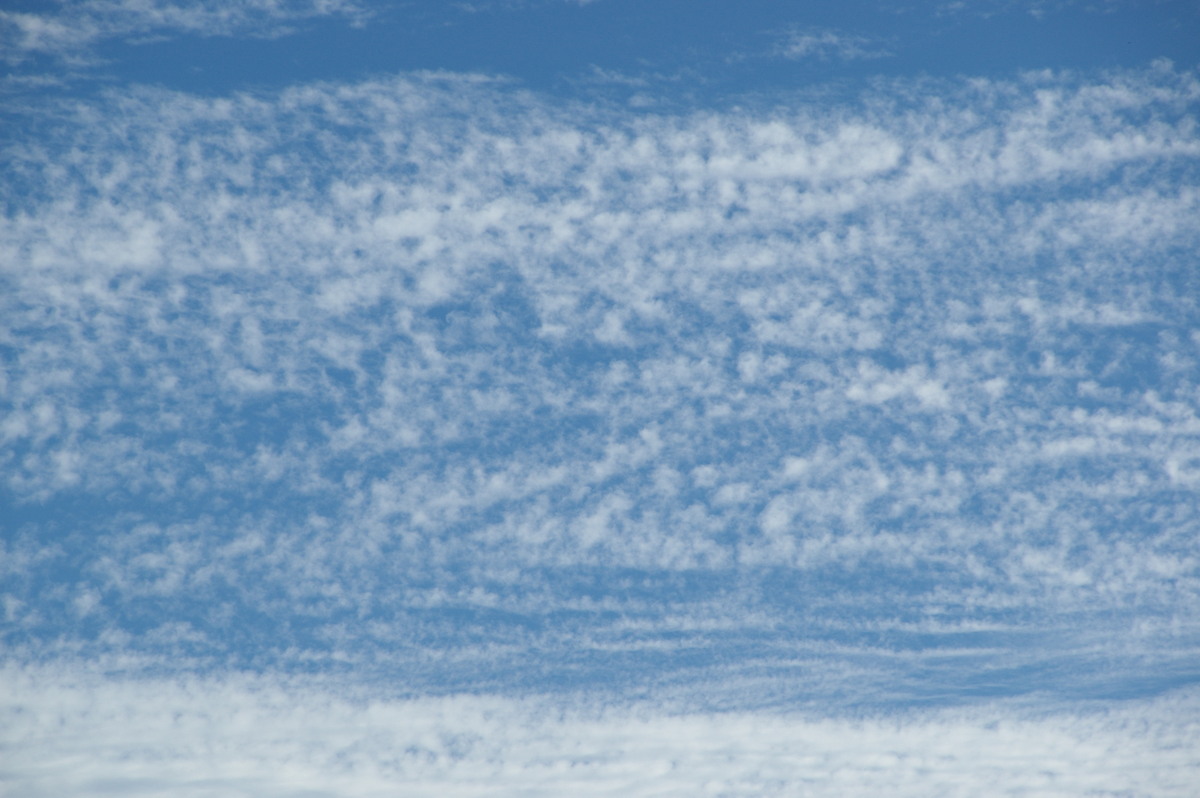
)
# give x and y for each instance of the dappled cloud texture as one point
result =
(438, 382)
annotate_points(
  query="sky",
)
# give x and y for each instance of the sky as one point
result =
(658, 398)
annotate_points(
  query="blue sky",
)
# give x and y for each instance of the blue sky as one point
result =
(650, 398)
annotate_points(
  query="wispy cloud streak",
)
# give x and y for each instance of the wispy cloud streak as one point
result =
(829, 45)
(72, 29)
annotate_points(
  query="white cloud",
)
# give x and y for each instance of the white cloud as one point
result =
(69, 733)
(829, 45)
(70, 30)
(434, 344)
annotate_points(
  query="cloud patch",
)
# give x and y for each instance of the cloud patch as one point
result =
(829, 45)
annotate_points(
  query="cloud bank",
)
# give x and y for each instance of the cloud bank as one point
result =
(240, 737)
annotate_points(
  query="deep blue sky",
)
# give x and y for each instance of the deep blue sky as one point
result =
(706, 47)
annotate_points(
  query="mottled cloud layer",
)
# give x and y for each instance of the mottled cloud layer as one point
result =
(887, 400)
